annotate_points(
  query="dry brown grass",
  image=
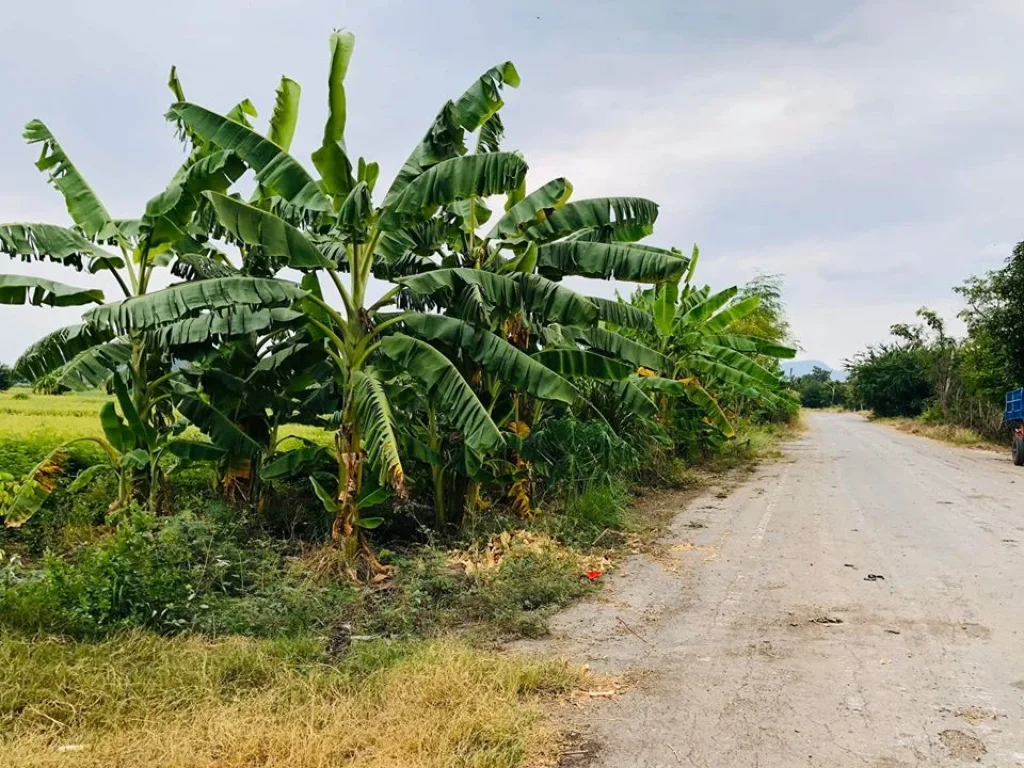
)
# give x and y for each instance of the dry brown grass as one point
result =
(147, 701)
(947, 433)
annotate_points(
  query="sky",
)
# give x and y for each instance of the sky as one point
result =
(868, 152)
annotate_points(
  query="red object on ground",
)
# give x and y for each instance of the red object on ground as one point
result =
(593, 575)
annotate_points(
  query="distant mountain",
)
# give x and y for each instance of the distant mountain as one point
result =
(798, 368)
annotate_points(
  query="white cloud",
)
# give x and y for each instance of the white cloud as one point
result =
(874, 164)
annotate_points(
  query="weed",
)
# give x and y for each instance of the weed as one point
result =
(162, 574)
(587, 516)
(570, 454)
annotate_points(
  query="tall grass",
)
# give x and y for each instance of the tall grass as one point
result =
(947, 433)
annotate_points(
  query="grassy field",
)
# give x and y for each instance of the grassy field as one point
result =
(31, 425)
(25, 415)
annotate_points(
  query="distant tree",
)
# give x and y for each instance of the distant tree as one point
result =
(892, 380)
(995, 324)
(814, 393)
(967, 377)
(768, 320)
(6, 377)
(817, 389)
(823, 375)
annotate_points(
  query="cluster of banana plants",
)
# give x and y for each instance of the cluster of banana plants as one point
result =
(425, 324)
(708, 368)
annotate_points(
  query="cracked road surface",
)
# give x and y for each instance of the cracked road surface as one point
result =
(858, 603)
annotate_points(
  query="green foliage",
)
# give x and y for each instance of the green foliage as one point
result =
(817, 389)
(160, 574)
(511, 600)
(717, 357)
(529, 585)
(995, 319)
(20, 453)
(967, 377)
(768, 320)
(571, 454)
(283, 607)
(587, 516)
(494, 382)
(6, 377)
(891, 380)
(815, 394)
(783, 411)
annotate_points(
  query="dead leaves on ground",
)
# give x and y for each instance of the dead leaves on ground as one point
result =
(489, 556)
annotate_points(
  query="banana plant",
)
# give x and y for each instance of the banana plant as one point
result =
(330, 227)
(505, 279)
(130, 446)
(85, 356)
(426, 225)
(701, 355)
(177, 231)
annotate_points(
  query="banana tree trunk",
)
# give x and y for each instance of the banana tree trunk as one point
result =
(142, 485)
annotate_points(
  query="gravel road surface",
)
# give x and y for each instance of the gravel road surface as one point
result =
(858, 603)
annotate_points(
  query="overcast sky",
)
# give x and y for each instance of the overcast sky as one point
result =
(870, 152)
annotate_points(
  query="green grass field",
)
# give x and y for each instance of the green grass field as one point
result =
(62, 417)
(32, 425)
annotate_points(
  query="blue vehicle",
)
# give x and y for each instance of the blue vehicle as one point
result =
(1014, 417)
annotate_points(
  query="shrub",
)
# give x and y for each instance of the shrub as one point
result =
(528, 586)
(285, 607)
(892, 380)
(586, 516)
(784, 409)
(569, 454)
(160, 574)
(505, 586)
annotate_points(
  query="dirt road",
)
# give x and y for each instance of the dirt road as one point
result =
(859, 603)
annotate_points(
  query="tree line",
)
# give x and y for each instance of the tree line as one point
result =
(925, 371)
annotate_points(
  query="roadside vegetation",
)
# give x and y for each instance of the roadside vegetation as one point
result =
(947, 433)
(954, 387)
(280, 512)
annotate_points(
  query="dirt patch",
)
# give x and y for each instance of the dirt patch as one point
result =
(809, 616)
(767, 649)
(962, 745)
(710, 551)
